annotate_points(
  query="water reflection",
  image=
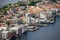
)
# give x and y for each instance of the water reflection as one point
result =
(22, 37)
(13, 38)
(51, 32)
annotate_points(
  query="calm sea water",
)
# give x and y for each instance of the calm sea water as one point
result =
(51, 32)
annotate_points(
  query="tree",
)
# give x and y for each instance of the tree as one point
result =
(32, 3)
(19, 3)
(4, 11)
(53, 0)
(37, 0)
(16, 4)
(0, 8)
(7, 22)
(9, 5)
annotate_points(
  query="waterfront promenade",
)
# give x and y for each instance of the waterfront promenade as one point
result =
(32, 17)
(51, 32)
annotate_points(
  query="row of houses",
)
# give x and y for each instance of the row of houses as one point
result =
(9, 26)
(18, 20)
(13, 30)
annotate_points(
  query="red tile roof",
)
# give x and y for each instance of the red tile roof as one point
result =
(3, 25)
(34, 9)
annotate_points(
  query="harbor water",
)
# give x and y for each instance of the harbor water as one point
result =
(51, 32)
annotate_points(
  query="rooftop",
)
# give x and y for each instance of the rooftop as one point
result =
(35, 9)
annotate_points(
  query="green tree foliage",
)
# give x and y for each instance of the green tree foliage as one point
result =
(37, 0)
(53, 0)
(18, 3)
(7, 22)
(0, 8)
(9, 5)
(32, 3)
(3, 10)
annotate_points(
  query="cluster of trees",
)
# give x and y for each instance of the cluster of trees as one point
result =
(53, 0)
(4, 9)
(7, 7)
(33, 2)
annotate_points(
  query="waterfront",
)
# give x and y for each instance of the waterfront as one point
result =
(51, 32)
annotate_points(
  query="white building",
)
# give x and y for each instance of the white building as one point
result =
(5, 34)
(28, 19)
(19, 29)
(42, 17)
(24, 28)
